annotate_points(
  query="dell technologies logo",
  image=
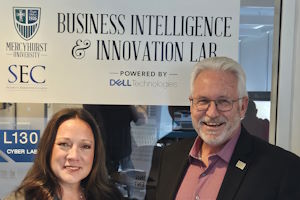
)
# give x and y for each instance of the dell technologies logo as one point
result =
(119, 82)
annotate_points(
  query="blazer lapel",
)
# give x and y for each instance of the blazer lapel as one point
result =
(178, 179)
(174, 171)
(237, 168)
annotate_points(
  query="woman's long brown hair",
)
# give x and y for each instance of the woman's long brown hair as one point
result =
(41, 183)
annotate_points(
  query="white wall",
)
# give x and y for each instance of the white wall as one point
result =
(288, 118)
(295, 136)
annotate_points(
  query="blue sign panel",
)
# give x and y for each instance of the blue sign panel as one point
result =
(18, 145)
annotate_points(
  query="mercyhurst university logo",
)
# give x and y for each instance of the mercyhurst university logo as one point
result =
(27, 21)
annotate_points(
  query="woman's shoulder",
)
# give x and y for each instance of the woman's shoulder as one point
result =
(14, 196)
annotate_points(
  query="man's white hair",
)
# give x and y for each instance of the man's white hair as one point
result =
(221, 64)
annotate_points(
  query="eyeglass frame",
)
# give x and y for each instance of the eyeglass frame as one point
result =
(232, 101)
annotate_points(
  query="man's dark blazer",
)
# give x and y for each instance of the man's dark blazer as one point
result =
(270, 171)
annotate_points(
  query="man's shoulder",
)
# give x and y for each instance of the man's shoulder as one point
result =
(185, 143)
(271, 152)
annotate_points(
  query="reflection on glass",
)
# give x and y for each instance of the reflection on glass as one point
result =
(254, 124)
(161, 123)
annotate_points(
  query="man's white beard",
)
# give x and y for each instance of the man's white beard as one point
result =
(210, 138)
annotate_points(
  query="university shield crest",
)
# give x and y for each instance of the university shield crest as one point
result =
(27, 21)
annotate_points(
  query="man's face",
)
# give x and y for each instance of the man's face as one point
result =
(213, 126)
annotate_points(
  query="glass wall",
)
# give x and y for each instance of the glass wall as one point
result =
(156, 125)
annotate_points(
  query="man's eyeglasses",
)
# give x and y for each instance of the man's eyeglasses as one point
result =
(222, 105)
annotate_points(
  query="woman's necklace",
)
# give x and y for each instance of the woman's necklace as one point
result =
(81, 196)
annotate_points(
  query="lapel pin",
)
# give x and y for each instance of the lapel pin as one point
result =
(241, 165)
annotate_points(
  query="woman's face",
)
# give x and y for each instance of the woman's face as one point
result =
(73, 151)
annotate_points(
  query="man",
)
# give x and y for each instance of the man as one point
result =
(224, 161)
(114, 122)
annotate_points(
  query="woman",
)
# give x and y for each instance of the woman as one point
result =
(70, 163)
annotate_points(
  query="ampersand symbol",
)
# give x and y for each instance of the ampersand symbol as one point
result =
(78, 51)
